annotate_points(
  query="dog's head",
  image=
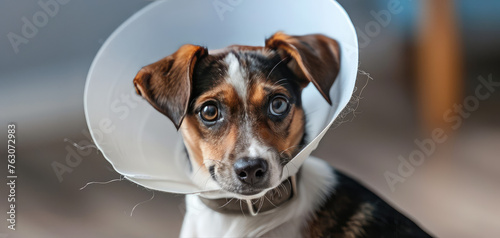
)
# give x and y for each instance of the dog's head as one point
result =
(239, 108)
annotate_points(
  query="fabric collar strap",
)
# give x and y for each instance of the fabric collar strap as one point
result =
(271, 201)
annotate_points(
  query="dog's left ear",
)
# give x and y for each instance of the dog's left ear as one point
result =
(167, 84)
(314, 58)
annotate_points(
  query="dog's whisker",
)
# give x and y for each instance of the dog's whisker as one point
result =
(198, 170)
(260, 205)
(271, 194)
(138, 204)
(279, 81)
(270, 149)
(278, 190)
(80, 147)
(289, 148)
(216, 161)
(283, 187)
(286, 189)
(110, 181)
(206, 182)
(227, 203)
(241, 207)
(270, 201)
(283, 190)
(267, 78)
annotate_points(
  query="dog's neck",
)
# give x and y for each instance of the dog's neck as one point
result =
(269, 202)
(314, 185)
(272, 200)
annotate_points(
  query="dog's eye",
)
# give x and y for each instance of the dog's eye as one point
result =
(209, 113)
(279, 105)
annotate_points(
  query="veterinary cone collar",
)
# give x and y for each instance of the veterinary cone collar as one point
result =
(141, 143)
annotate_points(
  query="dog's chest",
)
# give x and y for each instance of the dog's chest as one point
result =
(201, 221)
(289, 221)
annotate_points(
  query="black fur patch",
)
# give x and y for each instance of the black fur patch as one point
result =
(354, 211)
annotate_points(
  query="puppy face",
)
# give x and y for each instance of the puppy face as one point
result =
(245, 119)
(239, 109)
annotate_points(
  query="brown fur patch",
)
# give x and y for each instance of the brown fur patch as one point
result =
(284, 136)
(354, 227)
(192, 138)
(223, 92)
(204, 143)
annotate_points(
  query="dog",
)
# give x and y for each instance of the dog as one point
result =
(240, 113)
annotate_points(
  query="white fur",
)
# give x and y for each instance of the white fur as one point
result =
(235, 74)
(315, 183)
(257, 150)
(254, 149)
(235, 77)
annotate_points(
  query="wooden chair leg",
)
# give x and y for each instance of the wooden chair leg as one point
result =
(439, 63)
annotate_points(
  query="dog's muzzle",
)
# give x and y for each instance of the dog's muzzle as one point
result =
(270, 202)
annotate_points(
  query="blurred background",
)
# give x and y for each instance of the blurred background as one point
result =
(425, 67)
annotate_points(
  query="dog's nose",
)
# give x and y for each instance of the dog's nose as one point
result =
(250, 170)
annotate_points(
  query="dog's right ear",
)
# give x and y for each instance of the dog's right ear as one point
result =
(313, 58)
(167, 84)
